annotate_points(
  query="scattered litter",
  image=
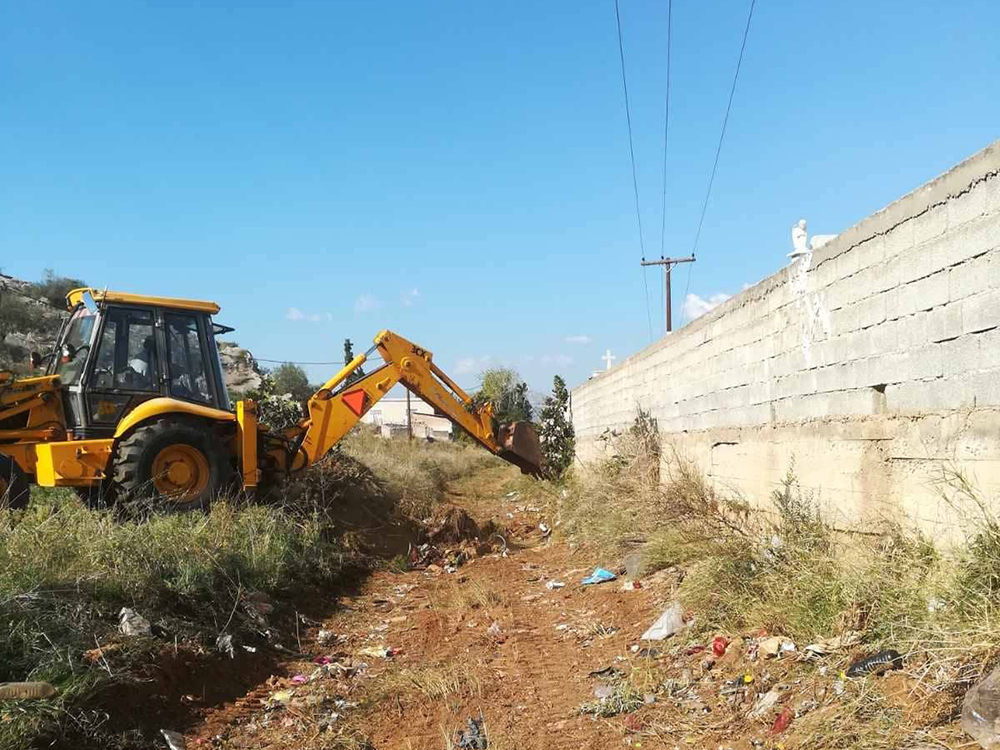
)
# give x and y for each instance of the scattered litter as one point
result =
(280, 698)
(322, 660)
(737, 685)
(606, 673)
(131, 622)
(880, 662)
(554, 585)
(473, 737)
(224, 643)
(669, 623)
(16, 691)
(326, 636)
(764, 704)
(782, 722)
(839, 687)
(300, 679)
(249, 649)
(805, 707)
(832, 645)
(603, 691)
(649, 698)
(935, 604)
(563, 626)
(94, 655)
(600, 575)
(981, 711)
(496, 632)
(719, 646)
(175, 740)
(510, 496)
(631, 585)
(382, 652)
(545, 529)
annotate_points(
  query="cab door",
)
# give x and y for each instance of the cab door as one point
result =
(126, 369)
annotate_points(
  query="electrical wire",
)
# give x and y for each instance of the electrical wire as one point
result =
(722, 136)
(631, 153)
(666, 130)
(725, 122)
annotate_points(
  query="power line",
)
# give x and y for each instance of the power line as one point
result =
(631, 153)
(666, 130)
(666, 127)
(725, 122)
(722, 135)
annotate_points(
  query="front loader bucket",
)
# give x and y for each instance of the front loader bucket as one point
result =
(519, 445)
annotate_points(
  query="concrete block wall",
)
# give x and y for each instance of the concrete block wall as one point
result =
(872, 364)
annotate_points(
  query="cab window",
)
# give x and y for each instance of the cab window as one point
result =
(75, 346)
(126, 357)
(187, 366)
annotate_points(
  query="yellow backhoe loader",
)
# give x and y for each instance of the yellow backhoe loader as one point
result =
(134, 403)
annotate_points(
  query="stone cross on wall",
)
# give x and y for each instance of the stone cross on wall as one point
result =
(609, 358)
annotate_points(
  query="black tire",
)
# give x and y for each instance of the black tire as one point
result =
(98, 497)
(15, 492)
(137, 453)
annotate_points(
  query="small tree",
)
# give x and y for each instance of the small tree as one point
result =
(276, 410)
(556, 434)
(504, 388)
(291, 379)
(54, 288)
(348, 356)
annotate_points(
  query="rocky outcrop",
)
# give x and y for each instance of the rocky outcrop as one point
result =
(240, 368)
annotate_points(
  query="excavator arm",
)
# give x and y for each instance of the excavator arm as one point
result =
(337, 406)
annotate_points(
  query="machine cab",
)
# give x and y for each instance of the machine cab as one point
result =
(118, 350)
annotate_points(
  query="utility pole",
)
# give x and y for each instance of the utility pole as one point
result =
(409, 416)
(667, 264)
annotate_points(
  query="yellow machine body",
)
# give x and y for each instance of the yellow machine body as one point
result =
(34, 433)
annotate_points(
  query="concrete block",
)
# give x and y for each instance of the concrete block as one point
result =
(944, 322)
(981, 312)
(848, 263)
(921, 396)
(986, 387)
(911, 332)
(974, 275)
(971, 239)
(989, 349)
(961, 356)
(927, 362)
(884, 337)
(887, 275)
(993, 194)
(872, 310)
(931, 291)
(844, 320)
(932, 223)
(899, 240)
(967, 206)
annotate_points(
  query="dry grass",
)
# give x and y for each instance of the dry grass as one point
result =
(416, 472)
(779, 565)
(435, 683)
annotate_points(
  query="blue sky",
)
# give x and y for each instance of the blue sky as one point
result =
(459, 171)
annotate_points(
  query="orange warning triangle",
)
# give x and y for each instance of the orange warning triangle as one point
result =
(356, 401)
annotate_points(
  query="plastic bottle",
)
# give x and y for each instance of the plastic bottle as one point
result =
(981, 712)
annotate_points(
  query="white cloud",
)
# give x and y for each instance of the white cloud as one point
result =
(366, 303)
(472, 365)
(578, 339)
(295, 314)
(695, 306)
(559, 360)
(410, 298)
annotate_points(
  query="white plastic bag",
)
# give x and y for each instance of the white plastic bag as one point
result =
(981, 712)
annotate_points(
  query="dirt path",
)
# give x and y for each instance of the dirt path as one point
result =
(491, 639)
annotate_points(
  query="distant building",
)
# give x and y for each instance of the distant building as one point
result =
(389, 415)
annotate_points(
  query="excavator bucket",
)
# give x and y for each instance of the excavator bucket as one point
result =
(519, 445)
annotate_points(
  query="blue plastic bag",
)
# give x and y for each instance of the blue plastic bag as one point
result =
(600, 575)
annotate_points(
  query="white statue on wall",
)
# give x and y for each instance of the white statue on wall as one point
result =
(799, 244)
